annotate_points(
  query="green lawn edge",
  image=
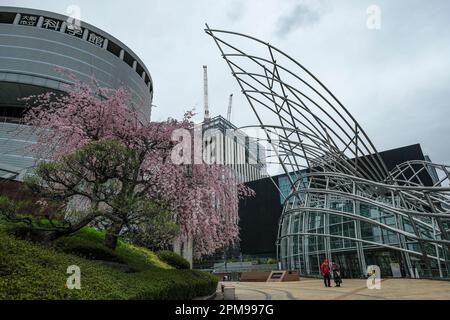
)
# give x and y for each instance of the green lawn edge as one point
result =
(30, 271)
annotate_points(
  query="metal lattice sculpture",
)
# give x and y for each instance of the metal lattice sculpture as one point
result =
(344, 202)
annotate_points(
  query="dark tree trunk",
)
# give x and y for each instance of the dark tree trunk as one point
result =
(34, 235)
(49, 235)
(112, 236)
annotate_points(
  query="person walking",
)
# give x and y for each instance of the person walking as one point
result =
(325, 268)
(337, 274)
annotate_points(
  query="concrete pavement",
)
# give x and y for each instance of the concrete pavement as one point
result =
(351, 289)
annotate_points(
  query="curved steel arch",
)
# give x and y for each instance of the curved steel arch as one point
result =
(327, 156)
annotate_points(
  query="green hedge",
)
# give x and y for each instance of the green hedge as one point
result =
(36, 272)
(173, 259)
(89, 243)
(87, 249)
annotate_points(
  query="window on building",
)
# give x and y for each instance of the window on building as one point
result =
(7, 17)
(128, 59)
(139, 69)
(114, 48)
(11, 114)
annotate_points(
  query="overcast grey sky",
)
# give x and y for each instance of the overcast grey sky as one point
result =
(395, 81)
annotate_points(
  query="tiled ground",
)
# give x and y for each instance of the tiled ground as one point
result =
(354, 289)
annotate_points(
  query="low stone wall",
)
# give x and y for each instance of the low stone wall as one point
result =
(256, 276)
(259, 276)
(284, 276)
(291, 276)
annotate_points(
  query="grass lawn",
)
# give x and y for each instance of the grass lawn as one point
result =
(34, 271)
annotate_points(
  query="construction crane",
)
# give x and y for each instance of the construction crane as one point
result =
(230, 105)
(205, 91)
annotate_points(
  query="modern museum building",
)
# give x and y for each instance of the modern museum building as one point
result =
(343, 200)
(42, 51)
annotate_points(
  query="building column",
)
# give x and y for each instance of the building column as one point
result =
(40, 22)
(306, 230)
(278, 243)
(17, 18)
(360, 248)
(85, 34)
(358, 235)
(183, 246)
(401, 238)
(63, 27)
(306, 243)
(105, 44)
(326, 230)
(289, 250)
(437, 248)
(402, 243)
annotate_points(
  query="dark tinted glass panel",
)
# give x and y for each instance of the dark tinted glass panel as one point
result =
(128, 59)
(11, 114)
(139, 70)
(7, 17)
(114, 48)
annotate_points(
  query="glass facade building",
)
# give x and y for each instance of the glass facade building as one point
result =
(353, 207)
(357, 223)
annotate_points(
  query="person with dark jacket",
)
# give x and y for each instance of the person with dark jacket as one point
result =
(325, 268)
(337, 274)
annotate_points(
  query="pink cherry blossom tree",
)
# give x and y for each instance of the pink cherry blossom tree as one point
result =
(203, 198)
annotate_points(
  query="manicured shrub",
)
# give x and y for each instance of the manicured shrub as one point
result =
(30, 271)
(89, 243)
(174, 259)
(86, 248)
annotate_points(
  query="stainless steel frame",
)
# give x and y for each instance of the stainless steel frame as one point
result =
(330, 160)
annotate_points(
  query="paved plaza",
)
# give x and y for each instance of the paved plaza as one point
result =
(352, 289)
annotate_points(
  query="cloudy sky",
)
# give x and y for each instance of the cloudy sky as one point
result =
(395, 80)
